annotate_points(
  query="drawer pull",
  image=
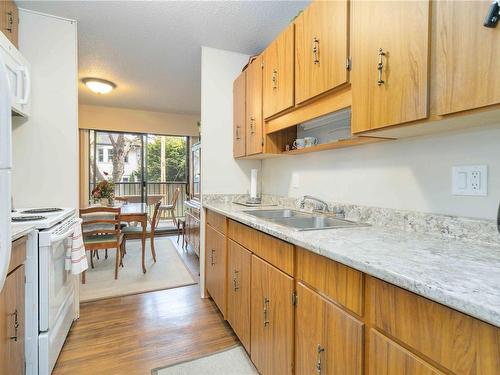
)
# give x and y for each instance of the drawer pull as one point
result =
(318, 362)
(315, 50)
(275, 79)
(235, 280)
(16, 325)
(252, 125)
(238, 133)
(10, 22)
(212, 258)
(380, 66)
(266, 311)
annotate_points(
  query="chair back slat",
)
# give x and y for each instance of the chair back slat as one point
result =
(175, 197)
(156, 215)
(100, 220)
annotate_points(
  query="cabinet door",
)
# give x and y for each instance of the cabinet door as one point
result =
(466, 57)
(271, 319)
(388, 358)
(12, 324)
(328, 340)
(238, 295)
(309, 331)
(254, 131)
(321, 48)
(277, 84)
(390, 58)
(239, 115)
(344, 342)
(215, 269)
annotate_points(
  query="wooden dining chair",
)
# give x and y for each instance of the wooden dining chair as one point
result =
(172, 206)
(101, 230)
(133, 233)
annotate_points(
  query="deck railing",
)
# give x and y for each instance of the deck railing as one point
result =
(163, 190)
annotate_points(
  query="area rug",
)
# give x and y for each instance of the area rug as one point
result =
(232, 361)
(169, 271)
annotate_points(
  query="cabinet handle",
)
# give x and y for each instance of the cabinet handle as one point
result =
(315, 50)
(266, 309)
(10, 22)
(238, 132)
(275, 79)
(380, 66)
(235, 280)
(318, 361)
(16, 325)
(252, 125)
(212, 257)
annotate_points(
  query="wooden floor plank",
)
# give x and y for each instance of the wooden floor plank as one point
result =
(131, 335)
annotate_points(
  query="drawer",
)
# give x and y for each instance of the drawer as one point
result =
(334, 280)
(216, 221)
(458, 342)
(18, 254)
(273, 250)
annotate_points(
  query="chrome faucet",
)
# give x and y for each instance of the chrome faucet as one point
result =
(317, 200)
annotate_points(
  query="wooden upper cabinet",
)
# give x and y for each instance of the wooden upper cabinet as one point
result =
(239, 116)
(254, 130)
(238, 291)
(328, 340)
(388, 358)
(321, 48)
(9, 21)
(390, 60)
(466, 57)
(215, 270)
(278, 74)
(271, 319)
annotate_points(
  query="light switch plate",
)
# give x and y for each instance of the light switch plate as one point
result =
(295, 180)
(470, 180)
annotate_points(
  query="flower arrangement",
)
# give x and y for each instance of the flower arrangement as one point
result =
(104, 190)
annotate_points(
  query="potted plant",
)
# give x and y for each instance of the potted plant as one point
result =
(104, 191)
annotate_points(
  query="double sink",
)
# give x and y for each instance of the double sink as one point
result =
(302, 221)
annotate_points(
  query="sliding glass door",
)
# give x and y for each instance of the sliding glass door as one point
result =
(143, 167)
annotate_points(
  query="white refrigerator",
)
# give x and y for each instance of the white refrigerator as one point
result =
(5, 171)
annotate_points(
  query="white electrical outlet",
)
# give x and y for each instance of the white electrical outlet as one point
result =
(295, 180)
(470, 180)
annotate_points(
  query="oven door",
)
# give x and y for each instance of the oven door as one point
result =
(56, 284)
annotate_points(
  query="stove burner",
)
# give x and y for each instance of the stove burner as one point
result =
(42, 210)
(27, 218)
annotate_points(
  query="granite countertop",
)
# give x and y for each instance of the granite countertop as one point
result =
(460, 274)
(20, 230)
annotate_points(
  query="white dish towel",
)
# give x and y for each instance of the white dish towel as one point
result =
(76, 258)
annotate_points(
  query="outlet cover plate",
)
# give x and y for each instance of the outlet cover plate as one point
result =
(470, 180)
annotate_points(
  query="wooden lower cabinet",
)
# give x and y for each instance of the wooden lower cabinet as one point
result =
(271, 319)
(12, 323)
(389, 358)
(328, 340)
(238, 291)
(215, 267)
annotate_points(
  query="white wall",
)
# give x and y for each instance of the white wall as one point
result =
(413, 174)
(45, 148)
(220, 173)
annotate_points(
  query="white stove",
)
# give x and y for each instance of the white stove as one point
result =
(51, 295)
(41, 218)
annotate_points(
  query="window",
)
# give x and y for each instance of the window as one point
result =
(125, 179)
(110, 155)
(100, 153)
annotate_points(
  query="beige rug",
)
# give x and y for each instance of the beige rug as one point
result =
(233, 361)
(169, 271)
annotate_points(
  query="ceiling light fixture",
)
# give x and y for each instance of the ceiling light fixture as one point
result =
(99, 86)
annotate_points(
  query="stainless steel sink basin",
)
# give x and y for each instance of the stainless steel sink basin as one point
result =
(276, 214)
(303, 221)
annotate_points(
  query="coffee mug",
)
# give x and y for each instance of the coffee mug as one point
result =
(310, 141)
(298, 143)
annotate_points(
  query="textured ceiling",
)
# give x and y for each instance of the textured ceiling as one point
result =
(152, 49)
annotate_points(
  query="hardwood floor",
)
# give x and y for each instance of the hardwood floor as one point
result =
(134, 334)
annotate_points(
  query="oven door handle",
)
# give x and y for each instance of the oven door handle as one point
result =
(58, 237)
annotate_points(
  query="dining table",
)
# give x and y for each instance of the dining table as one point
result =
(135, 213)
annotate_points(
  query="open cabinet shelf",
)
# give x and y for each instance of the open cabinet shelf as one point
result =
(355, 141)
